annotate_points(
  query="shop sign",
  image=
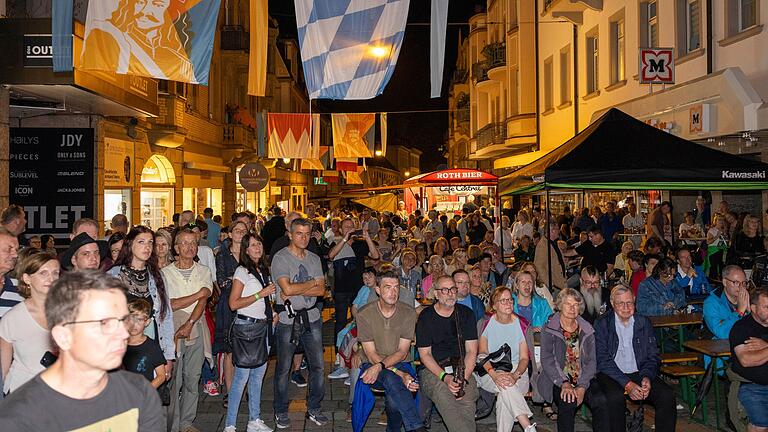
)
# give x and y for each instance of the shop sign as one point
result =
(38, 50)
(118, 163)
(666, 126)
(51, 176)
(698, 118)
(657, 65)
(319, 181)
(253, 177)
(464, 190)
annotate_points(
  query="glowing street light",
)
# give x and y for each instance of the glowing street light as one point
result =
(407, 173)
(379, 51)
(378, 152)
(286, 160)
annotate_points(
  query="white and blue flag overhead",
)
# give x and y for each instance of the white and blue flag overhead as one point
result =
(349, 48)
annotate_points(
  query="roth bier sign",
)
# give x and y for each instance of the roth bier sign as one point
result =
(657, 66)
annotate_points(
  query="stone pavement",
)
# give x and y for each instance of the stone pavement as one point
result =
(211, 413)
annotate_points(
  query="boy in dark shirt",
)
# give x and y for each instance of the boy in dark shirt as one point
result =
(143, 354)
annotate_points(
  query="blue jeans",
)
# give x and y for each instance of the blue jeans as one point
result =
(254, 377)
(398, 402)
(312, 340)
(754, 397)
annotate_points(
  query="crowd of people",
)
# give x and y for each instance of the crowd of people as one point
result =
(440, 311)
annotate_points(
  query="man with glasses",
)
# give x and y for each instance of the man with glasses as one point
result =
(726, 304)
(595, 296)
(464, 296)
(659, 294)
(84, 390)
(189, 285)
(439, 330)
(628, 362)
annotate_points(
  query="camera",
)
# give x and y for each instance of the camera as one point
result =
(289, 309)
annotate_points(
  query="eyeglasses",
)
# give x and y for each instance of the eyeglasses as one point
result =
(109, 326)
(504, 300)
(667, 275)
(446, 291)
(738, 283)
(628, 304)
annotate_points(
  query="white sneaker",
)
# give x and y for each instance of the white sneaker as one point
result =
(339, 373)
(230, 429)
(347, 381)
(258, 425)
(531, 428)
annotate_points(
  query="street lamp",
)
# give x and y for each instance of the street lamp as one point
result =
(407, 173)
(378, 153)
(286, 160)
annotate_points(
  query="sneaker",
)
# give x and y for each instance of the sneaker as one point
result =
(339, 373)
(303, 365)
(317, 417)
(530, 428)
(282, 421)
(298, 379)
(230, 429)
(211, 388)
(258, 425)
(347, 381)
(382, 421)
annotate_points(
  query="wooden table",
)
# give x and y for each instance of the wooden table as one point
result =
(715, 348)
(679, 321)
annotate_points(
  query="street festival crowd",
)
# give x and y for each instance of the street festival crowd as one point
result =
(123, 333)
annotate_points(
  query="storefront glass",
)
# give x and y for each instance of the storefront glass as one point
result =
(156, 207)
(198, 199)
(116, 201)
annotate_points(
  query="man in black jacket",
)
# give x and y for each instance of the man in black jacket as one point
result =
(628, 361)
(273, 229)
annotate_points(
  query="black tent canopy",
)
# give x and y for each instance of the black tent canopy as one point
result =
(618, 151)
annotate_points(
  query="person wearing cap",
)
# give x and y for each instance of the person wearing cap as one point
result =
(84, 253)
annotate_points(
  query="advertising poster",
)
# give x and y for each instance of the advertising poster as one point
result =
(51, 176)
(118, 163)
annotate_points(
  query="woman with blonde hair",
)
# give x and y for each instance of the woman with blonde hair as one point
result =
(24, 334)
(436, 269)
(622, 260)
(163, 242)
(509, 381)
(460, 259)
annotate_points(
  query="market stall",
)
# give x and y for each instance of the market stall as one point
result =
(619, 152)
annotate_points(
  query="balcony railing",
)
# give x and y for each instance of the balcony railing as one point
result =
(480, 71)
(491, 134)
(234, 38)
(496, 54)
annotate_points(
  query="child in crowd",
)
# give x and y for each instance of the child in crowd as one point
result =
(143, 354)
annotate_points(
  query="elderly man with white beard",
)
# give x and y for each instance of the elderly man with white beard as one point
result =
(594, 295)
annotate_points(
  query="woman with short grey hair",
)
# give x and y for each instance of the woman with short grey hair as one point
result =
(569, 363)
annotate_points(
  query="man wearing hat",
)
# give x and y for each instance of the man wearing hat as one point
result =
(84, 253)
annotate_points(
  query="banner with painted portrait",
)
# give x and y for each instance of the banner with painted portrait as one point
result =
(164, 39)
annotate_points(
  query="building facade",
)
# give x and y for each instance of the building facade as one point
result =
(158, 146)
(587, 55)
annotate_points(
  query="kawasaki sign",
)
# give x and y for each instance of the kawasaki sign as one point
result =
(743, 175)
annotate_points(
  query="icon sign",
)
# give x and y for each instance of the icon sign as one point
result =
(254, 177)
(657, 66)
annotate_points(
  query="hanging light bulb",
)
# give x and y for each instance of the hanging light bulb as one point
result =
(286, 160)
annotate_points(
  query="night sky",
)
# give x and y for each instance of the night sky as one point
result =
(409, 87)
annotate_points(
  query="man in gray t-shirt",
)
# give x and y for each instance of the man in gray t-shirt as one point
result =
(299, 279)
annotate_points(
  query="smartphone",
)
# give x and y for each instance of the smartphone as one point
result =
(48, 359)
(357, 233)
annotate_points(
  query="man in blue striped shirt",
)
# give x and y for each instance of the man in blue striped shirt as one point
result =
(9, 295)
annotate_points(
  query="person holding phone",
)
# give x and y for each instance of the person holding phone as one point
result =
(24, 335)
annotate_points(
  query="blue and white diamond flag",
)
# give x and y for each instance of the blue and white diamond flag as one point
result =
(349, 48)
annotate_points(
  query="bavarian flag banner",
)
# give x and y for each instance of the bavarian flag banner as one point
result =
(349, 48)
(164, 39)
(353, 135)
(291, 136)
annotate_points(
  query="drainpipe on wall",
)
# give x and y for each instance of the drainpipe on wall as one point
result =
(710, 39)
(576, 80)
(536, 60)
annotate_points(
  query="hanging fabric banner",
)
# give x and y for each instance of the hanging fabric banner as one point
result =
(290, 135)
(353, 177)
(326, 156)
(261, 134)
(437, 26)
(170, 39)
(257, 54)
(61, 35)
(346, 164)
(312, 164)
(331, 176)
(349, 48)
(353, 135)
(383, 120)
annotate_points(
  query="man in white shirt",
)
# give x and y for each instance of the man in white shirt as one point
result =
(189, 285)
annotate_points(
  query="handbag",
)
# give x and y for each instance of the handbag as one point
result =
(501, 360)
(249, 344)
